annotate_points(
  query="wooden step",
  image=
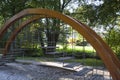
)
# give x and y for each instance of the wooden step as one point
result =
(83, 72)
(97, 77)
(2, 63)
(72, 65)
(7, 57)
(5, 61)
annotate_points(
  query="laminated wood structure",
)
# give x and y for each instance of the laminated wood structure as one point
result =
(103, 50)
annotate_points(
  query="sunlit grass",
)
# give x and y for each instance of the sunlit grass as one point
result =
(87, 61)
(76, 48)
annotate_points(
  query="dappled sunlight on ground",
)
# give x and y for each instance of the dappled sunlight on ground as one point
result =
(32, 70)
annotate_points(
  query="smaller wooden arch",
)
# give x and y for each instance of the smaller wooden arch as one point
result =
(103, 50)
(16, 32)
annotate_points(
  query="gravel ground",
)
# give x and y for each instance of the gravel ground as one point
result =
(19, 71)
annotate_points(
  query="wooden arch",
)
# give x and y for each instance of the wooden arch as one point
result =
(111, 61)
(16, 32)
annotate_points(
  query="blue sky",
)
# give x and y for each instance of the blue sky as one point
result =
(74, 5)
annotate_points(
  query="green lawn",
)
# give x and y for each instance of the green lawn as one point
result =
(87, 61)
(77, 48)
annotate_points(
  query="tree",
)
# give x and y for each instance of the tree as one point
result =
(112, 38)
(104, 15)
(10, 7)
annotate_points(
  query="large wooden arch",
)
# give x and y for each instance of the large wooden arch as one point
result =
(111, 61)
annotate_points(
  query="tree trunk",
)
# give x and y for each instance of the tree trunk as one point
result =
(52, 39)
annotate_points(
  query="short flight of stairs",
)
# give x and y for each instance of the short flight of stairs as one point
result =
(7, 58)
(84, 71)
(89, 73)
(97, 77)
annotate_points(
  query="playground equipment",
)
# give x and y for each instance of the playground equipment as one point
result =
(106, 54)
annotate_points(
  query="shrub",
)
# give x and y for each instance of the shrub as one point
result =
(85, 55)
(79, 43)
(32, 52)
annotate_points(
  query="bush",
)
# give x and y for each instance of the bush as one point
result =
(85, 55)
(33, 52)
(80, 54)
(118, 55)
(84, 43)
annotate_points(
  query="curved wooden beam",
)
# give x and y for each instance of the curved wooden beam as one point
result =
(96, 43)
(11, 21)
(14, 34)
(115, 59)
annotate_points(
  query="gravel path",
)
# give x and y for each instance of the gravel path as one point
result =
(15, 71)
(19, 71)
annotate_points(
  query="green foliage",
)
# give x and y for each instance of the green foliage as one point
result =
(87, 61)
(80, 55)
(33, 52)
(107, 11)
(1, 21)
(107, 15)
(113, 40)
(104, 14)
(4, 39)
(79, 52)
(83, 43)
(10, 7)
(86, 14)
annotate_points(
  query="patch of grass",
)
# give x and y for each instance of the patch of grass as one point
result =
(36, 58)
(87, 62)
(74, 49)
(77, 48)
(79, 51)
